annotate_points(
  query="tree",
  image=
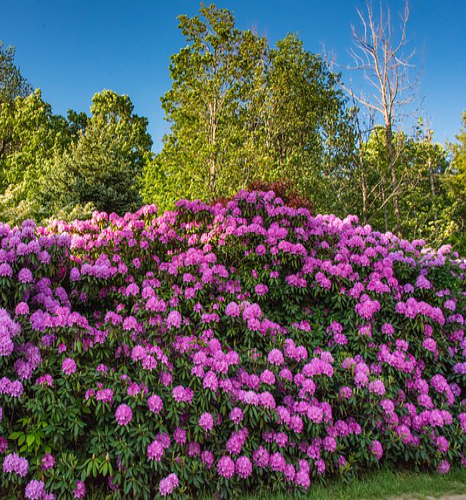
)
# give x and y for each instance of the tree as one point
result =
(12, 83)
(240, 111)
(103, 167)
(380, 56)
(424, 198)
(456, 183)
(420, 169)
(58, 166)
(309, 130)
(33, 132)
(457, 180)
(215, 78)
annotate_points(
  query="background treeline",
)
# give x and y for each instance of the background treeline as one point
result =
(239, 111)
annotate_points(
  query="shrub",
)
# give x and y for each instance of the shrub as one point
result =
(224, 348)
(283, 189)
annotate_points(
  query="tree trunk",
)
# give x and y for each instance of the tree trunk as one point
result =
(385, 214)
(432, 189)
(212, 140)
(392, 160)
(212, 172)
(363, 186)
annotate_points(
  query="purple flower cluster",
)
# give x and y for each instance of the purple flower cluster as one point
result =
(80, 490)
(13, 463)
(168, 484)
(206, 422)
(35, 490)
(68, 366)
(155, 403)
(155, 450)
(226, 467)
(123, 415)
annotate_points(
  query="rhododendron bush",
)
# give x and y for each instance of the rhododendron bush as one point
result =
(224, 348)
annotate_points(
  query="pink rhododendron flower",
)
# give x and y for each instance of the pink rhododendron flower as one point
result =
(123, 415)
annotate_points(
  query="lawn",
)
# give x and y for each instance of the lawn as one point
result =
(384, 484)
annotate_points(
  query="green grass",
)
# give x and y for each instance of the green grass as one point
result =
(384, 484)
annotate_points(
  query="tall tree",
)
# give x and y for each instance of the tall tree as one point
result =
(425, 197)
(456, 182)
(309, 131)
(420, 169)
(33, 132)
(12, 85)
(102, 168)
(12, 82)
(214, 80)
(458, 164)
(240, 111)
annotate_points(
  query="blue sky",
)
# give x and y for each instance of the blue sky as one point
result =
(72, 49)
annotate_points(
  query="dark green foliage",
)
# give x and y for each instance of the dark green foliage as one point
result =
(33, 134)
(68, 167)
(103, 166)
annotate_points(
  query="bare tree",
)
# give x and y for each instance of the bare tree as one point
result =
(379, 54)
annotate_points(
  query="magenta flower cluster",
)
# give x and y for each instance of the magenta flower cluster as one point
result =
(123, 415)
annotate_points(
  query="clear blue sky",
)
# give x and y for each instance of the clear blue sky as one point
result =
(72, 49)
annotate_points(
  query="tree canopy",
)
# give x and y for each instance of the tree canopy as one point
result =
(102, 167)
(12, 82)
(62, 166)
(240, 111)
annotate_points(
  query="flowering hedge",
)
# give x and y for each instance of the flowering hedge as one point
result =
(224, 348)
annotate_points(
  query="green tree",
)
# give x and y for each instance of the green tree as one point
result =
(12, 83)
(33, 133)
(379, 209)
(240, 111)
(102, 168)
(456, 183)
(457, 180)
(309, 131)
(421, 166)
(215, 78)
(424, 198)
